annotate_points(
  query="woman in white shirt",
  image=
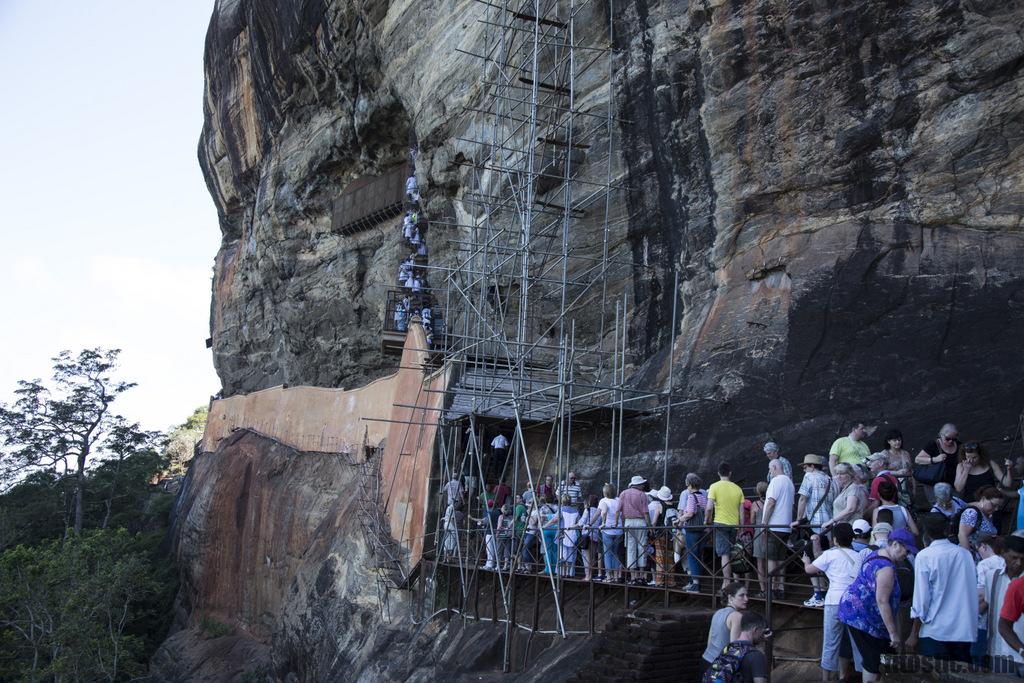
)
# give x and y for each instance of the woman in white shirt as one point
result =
(840, 565)
(569, 521)
(590, 537)
(611, 534)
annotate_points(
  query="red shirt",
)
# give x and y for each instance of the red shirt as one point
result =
(633, 503)
(1013, 603)
(501, 492)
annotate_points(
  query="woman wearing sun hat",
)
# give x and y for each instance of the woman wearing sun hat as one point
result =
(869, 605)
(660, 534)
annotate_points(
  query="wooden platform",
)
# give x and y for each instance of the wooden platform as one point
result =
(392, 343)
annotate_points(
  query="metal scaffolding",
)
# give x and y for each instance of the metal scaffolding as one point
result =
(384, 551)
(536, 330)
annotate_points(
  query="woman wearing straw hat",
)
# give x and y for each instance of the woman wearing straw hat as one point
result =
(661, 525)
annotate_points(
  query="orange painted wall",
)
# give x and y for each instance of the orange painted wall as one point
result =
(336, 420)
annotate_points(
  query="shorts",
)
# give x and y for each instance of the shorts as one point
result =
(777, 548)
(760, 543)
(725, 537)
(938, 649)
(868, 649)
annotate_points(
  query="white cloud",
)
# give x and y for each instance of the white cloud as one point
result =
(155, 312)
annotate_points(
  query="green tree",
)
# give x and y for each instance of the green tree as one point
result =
(87, 608)
(34, 509)
(124, 440)
(59, 426)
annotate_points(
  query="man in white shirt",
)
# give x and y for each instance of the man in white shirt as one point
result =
(840, 564)
(990, 548)
(945, 606)
(499, 452)
(778, 513)
(454, 489)
(499, 443)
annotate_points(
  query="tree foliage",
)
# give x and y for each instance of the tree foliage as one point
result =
(179, 448)
(87, 608)
(59, 426)
(85, 589)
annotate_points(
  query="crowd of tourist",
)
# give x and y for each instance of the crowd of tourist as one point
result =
(417, 300)
(904, 552)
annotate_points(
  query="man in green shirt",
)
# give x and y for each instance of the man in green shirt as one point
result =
(849, 449)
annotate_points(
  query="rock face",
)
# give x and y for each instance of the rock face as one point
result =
(259, 529)
(276, 584)
(839, 188)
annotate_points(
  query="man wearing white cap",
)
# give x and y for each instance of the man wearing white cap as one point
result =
(633, 512)
(771, 449)
(861, 535)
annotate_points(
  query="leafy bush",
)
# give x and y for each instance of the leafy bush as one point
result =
(213, 628)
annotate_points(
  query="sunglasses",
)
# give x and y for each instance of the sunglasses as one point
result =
(972, 446)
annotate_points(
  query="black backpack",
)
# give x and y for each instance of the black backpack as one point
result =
(669, 514)
(954, 525)
(698, 511)
(660, 530)
(726, 667)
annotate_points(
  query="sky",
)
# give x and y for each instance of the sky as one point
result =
(107, 231)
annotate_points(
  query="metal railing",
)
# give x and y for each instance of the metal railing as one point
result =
(561, 551)
(477, 545)
(395, 298)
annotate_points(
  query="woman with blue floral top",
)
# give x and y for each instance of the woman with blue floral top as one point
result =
(976, 519)
(869, 605)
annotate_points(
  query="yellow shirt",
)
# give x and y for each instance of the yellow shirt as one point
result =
(850, 451)
(727, 497)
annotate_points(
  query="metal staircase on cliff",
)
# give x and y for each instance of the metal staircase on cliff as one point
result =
(373, 521)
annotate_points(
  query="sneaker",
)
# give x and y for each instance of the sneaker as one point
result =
(815, 600)
(692, 588)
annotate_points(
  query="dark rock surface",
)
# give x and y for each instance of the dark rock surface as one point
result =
(840, 187)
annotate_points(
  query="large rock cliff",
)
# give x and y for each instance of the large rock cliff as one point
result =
(278, 585)
(839, 186)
